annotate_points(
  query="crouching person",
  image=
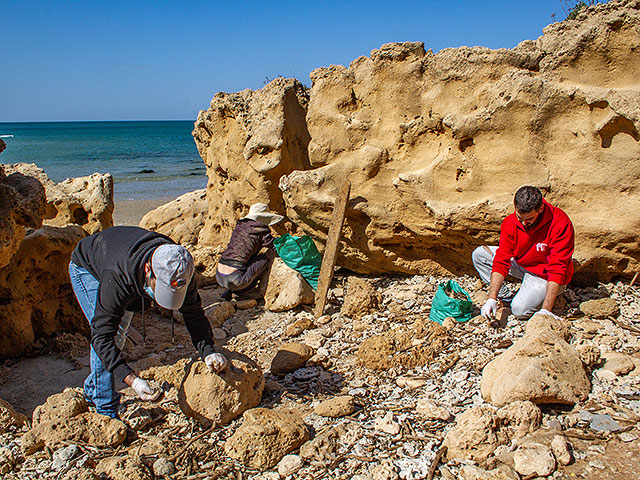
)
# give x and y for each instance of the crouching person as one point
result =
(123, 269)
(536, 245)
(241, 264)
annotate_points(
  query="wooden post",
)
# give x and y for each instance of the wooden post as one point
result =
(331, 248)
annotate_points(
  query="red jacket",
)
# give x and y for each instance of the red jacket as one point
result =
(545, 250)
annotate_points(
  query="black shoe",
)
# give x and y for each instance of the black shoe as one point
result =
(226, 295)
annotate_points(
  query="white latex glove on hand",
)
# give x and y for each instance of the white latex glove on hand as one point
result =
(489, 309)
(144, 390)
(543, 311)
(216, 362)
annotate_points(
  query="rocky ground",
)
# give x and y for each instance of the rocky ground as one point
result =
(371, 390)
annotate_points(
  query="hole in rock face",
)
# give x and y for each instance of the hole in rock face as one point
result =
(459, 173)
(616, 125)
(80, 217)
(464, 144)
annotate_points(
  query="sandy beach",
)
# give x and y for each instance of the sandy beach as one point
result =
(130, 212)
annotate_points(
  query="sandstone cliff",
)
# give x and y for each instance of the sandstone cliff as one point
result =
(435, 145)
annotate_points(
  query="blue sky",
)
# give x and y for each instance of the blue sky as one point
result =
(162, 60)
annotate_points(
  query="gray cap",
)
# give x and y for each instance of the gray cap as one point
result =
(173, 268)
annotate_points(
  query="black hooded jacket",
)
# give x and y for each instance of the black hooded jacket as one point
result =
(116, 258)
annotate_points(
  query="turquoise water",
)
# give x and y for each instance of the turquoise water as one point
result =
(148, 160)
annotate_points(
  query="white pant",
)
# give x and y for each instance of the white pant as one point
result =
(529, 298)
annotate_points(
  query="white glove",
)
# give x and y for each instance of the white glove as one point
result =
(144, 390)
(543, 311)
(489, 309)
(216, 362)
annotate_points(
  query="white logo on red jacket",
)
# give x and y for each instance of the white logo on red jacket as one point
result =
(541, 247)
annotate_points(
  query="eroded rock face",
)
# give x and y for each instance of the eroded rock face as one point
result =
(219, 398)
(9, 417)
(23, 201)
(181, 219)
(266, 436)
(36, 298)
(92, 428)
(541, 367)
(435, 145)
(286, 288)
(84, 201)
(248, 141)
(361, 298)
(69, 403)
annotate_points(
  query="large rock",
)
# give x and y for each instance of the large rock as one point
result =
(84, 201)
(435, 146)
(600, 308)
(181, 220)
(541, 367)
(23, 201)
(69, 403)
(9, 417)
(219, 398)
(479, 430)
(286, 288)
(361, 298)
(92, 428)
(248, 141)
(124, 467)
(36, 298)
(290, 357)
(266, 436)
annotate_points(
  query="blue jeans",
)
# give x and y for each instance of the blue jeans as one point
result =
(99, 387)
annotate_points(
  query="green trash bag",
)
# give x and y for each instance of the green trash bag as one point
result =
(301, 254)
(446, 305)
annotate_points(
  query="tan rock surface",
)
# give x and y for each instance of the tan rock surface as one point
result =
(248, 141)
(84, 201)
(336, 407)
(219, 398)
(69, 403)
(435, 145)
(540, 367)
(290, 357)
(92, 428)
(286, 288)
(266, 436)
(361, 298)
(37, 298)
(124, 467)
(9, 417)
(600, 308)
(181, 220)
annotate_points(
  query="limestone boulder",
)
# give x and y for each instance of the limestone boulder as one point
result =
(436, 144)
(84, 201)
(618, 363)
(69, 403)
(218, 313)
(290, 357)
(37, 299)
(181, 220)
(600, 308)
(361, 298)
(540, 367)
(286, 288)
(336, 407)
(24, 200)
(534, 460)
(9, 417)
(266, 436)
(123, 467)
(91, 428)
(216, 399)
(248, 141)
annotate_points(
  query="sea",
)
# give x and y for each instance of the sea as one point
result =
(148, 159)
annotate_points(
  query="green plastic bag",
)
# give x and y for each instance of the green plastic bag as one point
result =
(301, 254)
(444, 306)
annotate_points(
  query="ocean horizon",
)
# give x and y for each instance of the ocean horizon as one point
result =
(149, 159)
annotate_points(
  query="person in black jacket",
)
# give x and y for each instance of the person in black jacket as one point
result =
(122, 269)
(241, 264)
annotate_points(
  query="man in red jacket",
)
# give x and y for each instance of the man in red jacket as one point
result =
(536, 244)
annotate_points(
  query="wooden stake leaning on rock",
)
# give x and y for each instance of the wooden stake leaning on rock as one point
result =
(331, 248)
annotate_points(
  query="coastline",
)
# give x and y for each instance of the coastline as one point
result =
(130, 212)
